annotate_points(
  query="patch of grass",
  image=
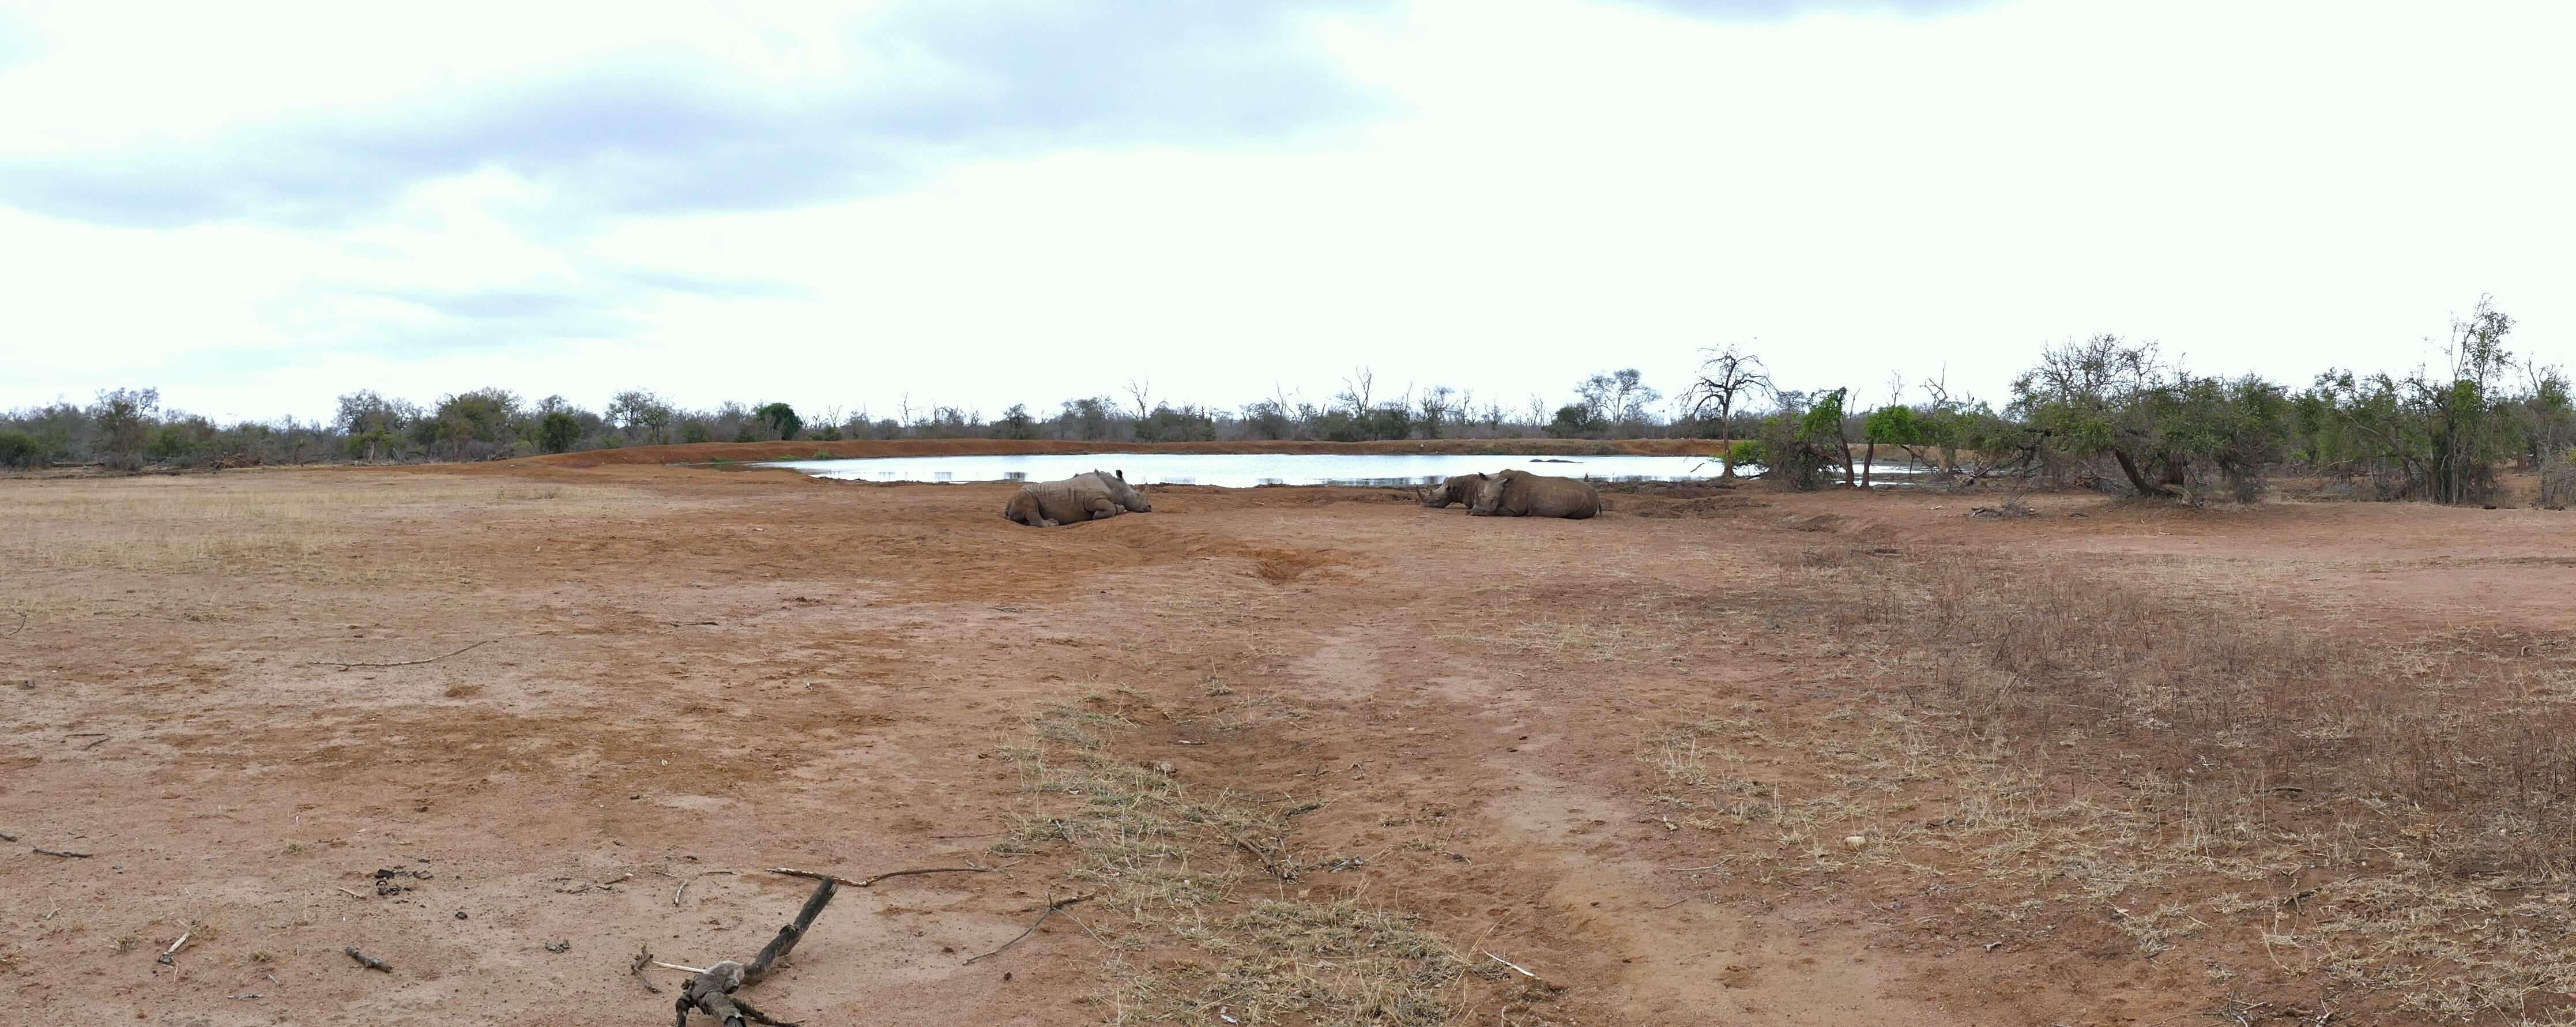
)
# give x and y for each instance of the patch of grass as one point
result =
(1174, 867)
(2142, 752)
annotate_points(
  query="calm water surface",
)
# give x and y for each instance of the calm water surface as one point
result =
(1244, 470)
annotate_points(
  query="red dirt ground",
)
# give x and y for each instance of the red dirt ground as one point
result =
(694, 671)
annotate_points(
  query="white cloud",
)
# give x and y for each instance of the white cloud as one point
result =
(1537, 190)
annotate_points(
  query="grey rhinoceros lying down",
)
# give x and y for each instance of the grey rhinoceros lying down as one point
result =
(1459, 489)
(1083, 497)
(1522, 494)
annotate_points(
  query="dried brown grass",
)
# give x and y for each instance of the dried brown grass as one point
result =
(2186, 756)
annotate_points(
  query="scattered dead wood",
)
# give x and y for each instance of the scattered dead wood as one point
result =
(818, 875)
(1033, 925)
(643, 958)
(712, 990)
(1280, 872)
(346, 665)
(370, 962)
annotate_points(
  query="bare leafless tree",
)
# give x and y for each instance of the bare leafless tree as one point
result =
(1358, 389)
(1141, 392)
(1728, 377)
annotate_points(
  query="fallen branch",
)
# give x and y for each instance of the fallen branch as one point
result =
(65, 855)
(1033, 925)
(370, 962)
(173, 950)
(1275, 869)
(643, 958)
(103, 740)
(345, 665)
(711, 991)
(818, 875)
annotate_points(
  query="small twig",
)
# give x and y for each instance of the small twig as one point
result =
(85, 734)
(344, 665)
(173, 950)
(678, 967)
(1033, 925)
(7, 837)
(65, 855)
(1712, 866)
(347, 892)
(1275, 870)
(370, 962)
(22, 625)
(818, 875)
(683, 889)
(103, 740)
(1523, 971)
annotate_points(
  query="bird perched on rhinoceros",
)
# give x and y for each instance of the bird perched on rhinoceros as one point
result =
(1083, 497)
(1459, 489)
(1522, 494)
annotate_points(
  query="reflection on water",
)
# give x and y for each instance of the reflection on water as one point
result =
(1243, 470)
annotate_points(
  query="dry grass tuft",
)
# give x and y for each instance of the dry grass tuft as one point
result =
(1169, 862)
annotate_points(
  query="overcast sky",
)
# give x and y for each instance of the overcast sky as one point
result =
(257, 207)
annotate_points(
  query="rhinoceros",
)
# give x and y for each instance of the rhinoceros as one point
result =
(1459, 489)
(1522, 494)
(1083, 497)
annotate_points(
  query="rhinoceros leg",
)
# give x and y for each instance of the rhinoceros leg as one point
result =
(1105, 508)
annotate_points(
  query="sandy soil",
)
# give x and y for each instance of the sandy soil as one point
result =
(683, 676)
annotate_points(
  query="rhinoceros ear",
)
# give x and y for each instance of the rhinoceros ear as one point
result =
(1121, 473)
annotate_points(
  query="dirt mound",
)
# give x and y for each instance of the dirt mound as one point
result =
(1698, 507)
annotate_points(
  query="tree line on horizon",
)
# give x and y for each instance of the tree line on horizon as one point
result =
(2101, 410)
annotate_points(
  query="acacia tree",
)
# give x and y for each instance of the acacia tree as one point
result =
(1727, 376)
(2089, 398)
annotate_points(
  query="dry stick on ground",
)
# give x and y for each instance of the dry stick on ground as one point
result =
(683, 889)
(65, 855)
(711, 991)
(370, 962)
(168, 955)
(345, 665)
(1275, 869)
(1033, 924)
(103, 740)
(643, 958)
(864, 882)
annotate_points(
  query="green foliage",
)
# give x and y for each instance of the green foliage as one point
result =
(557, 432)
(1574, 421)
(746, 433)
(19, 449)
(1893, 426)
(1187, 424)
(781, 419)
(1746, 451)
(694, 431)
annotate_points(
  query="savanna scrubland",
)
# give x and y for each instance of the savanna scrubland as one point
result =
(1727, 753)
